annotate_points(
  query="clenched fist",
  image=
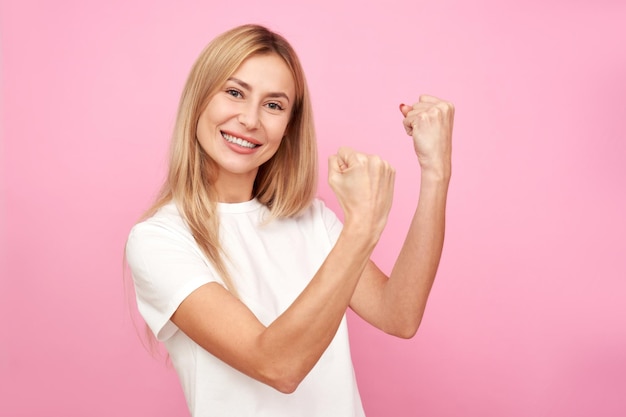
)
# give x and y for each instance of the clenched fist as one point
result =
(430, 122)
(363, 185)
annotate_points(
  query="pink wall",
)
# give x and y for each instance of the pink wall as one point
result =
(528, 316)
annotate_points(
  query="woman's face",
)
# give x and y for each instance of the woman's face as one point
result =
(244, 122)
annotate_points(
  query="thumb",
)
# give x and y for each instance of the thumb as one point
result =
(405, 109)
(344, 158)
(337, 163)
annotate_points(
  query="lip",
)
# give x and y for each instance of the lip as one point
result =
(244, 137)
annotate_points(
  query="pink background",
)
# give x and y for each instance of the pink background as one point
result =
(528, 315)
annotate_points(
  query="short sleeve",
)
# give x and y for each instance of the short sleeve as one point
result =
(167, 266)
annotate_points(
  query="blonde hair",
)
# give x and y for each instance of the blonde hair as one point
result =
(286, 183)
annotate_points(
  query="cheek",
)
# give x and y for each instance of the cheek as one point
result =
(279, 128)
(202, 129)
(205, 132)
(209, 119)
(215, 111)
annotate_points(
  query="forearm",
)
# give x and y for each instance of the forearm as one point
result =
(406, 292)
(283, 353)
(295, 340)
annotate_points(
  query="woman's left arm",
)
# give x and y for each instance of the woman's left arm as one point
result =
(396, 304)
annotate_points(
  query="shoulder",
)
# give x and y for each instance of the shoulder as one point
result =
(321, 216)
(166, 228)
(167, 220)
(318, 208)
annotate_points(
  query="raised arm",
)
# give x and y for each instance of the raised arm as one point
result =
(396, 304)
(284, 352)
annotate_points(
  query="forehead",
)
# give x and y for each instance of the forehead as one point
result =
(267, 73)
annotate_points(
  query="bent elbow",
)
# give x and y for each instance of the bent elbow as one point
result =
(406, 333)
(286, 387)
(406, 330)
(285, 382)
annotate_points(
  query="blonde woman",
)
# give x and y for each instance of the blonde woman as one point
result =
(242, 273)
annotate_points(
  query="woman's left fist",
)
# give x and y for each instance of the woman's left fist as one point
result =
(430, 122)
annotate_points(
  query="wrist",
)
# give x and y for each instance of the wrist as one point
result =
(436, 175)
(362, 233)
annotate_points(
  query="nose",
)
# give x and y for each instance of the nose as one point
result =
(249, 117)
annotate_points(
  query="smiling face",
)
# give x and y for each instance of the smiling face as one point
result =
(243, 124)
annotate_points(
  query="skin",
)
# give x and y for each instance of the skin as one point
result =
(284, 352)
(253, 105)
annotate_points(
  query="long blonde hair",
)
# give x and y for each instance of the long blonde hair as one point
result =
(286, 183)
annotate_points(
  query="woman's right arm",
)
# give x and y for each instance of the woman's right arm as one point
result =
(283, 353)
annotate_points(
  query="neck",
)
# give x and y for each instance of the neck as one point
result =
(234, 188)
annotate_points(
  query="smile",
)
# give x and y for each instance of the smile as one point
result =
(238, 141)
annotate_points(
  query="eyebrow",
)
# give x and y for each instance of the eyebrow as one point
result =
(249, 88)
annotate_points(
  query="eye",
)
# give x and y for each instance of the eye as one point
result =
(234, 92)
(275, 106)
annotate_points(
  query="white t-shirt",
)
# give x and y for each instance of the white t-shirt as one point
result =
(270, 265)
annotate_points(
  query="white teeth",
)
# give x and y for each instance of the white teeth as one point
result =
(238, 141)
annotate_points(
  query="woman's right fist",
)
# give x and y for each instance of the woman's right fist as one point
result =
(363, 185)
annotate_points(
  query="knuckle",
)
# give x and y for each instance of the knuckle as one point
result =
(434, 111)
(445, 107)
(375, 159)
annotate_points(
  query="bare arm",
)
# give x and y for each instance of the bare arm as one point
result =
(396, 304)
(283, 353)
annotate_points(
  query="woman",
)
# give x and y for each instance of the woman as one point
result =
(245, 276)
